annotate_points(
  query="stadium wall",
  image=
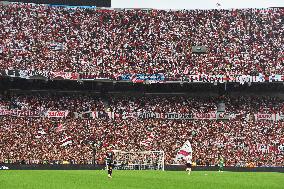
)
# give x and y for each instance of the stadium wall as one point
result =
(167, 168)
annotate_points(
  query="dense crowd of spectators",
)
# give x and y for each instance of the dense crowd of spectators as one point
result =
(240, 141)
(237, 105)
(161, 104)
(116, 42)
(72, 103)
(110, 43)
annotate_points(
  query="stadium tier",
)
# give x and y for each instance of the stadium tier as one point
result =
(115, 44)
(78, 129)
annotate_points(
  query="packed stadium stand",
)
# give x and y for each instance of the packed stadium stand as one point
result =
(248, 132)
(79, 128)
(110, 43)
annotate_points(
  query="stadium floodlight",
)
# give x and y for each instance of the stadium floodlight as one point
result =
(139, 160)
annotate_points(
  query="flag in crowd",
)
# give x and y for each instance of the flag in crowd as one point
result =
(66, 141)
(184, 152)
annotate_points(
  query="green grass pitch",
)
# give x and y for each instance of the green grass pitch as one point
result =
(87, 179)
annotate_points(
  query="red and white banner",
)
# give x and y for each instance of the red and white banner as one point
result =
(19, 113)
(29, 113)
(271, 117)
(58, 114)
(211, 115)
(64, 75)
(4, 112)
(203, 78)
(177, 116)
(149, 115)
(131, 115)
(184, 152)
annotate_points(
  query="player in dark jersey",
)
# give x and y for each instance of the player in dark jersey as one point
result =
(109, 162)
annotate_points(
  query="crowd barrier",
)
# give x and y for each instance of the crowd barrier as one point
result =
(167, 168)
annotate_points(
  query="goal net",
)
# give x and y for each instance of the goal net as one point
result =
(141, 160)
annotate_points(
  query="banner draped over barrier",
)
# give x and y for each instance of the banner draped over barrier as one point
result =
(58, 114)
(19, 113)
(141, 77)
(30, 113)
(139, 115)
